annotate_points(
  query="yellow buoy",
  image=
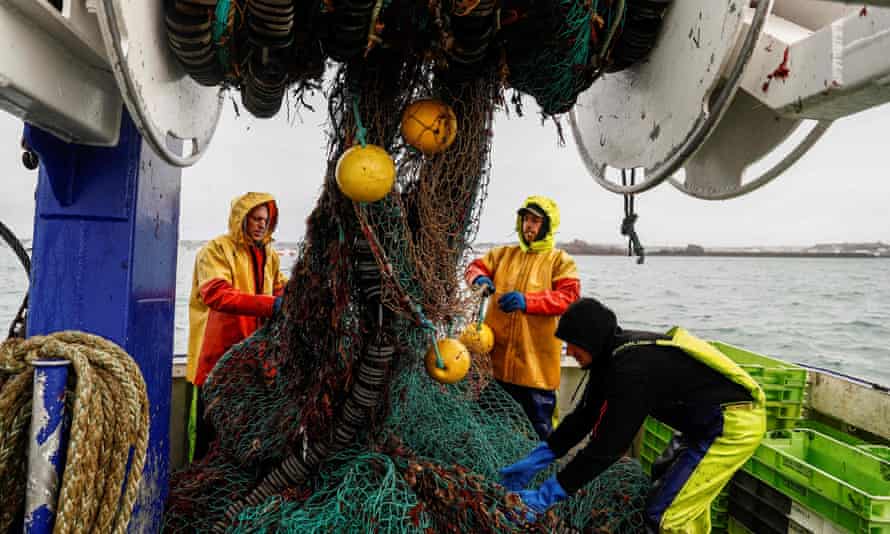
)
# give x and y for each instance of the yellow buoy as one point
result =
(479, 339)
(429, 125)
(456, 358)
(365, 173)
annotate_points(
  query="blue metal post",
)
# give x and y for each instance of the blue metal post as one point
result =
(47, 445)
(104, 261)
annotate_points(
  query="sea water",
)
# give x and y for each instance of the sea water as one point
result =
(828, 312)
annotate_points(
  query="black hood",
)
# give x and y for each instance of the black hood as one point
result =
(592, 326)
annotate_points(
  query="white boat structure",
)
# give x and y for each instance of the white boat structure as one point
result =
(115, 118)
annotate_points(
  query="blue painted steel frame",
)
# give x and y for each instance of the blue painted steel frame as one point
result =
(106, 232)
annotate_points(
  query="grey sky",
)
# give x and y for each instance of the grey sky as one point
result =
(838, 192)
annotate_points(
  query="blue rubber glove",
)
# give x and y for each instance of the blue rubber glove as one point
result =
(276, 306)
(488, 285)
(517, 476)
(511, 302)
(541, 499)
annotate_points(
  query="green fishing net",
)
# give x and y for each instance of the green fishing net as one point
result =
(326, 418)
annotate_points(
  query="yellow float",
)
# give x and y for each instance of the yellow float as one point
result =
(478, 338)
(429, 125)
(456, 358)
(365, 173)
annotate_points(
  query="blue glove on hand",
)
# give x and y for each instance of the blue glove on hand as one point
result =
(511, 302)
(276, 306)
(517, 476)
(541, 499)
(488, 285)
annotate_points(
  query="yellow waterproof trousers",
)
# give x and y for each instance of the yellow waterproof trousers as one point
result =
(681, 504)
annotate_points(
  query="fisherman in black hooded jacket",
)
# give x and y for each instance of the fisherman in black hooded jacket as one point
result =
(676, 378)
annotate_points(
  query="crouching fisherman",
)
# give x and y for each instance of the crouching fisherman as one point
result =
(676, 378)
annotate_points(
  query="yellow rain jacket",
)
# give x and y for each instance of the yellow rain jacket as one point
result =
(234, 286)
(525, 351)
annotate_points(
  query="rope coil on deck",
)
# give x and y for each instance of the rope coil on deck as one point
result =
(110, 415)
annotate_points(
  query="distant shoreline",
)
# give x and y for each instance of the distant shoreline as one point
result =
(580, 248)
(847, 255)
(875, 250)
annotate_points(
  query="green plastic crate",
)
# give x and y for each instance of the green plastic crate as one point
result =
(845, 484)
(656, 436)
(647, 458)
(765, 370)
(657, 433)
(719, 521)
(783, 384)
(782, 416)
(719, 511)
(782, 394)
(828, 430)
(759, 507)
(881, 451)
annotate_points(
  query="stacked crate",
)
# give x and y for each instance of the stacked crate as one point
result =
(758, 508)
(809, 476)
(783, 383)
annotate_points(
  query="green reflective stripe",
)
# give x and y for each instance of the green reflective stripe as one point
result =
(709, 355)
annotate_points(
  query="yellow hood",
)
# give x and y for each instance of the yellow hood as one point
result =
(241, 206)
(549, 240)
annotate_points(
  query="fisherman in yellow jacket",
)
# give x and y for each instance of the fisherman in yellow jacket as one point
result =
(533, 283)
(237, 283)
(676, 378)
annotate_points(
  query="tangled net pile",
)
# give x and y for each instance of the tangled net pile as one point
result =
(328, 421)
(326, 418)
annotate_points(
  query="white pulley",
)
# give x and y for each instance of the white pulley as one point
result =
(751, 132)
(164, 102)
(655, 115)
(748, 133)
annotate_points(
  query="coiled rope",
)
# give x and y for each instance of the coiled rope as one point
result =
(110, 416)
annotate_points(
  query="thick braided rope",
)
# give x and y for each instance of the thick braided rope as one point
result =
(110, 415)
(15, 417)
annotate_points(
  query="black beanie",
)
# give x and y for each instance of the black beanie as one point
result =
(590, 325)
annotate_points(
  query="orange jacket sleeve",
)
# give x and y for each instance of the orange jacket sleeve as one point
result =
(554, 301)
(219, 295)
(476, 269)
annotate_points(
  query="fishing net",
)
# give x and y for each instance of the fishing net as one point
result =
(326, 418)
(576, 40)
(274, 51)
